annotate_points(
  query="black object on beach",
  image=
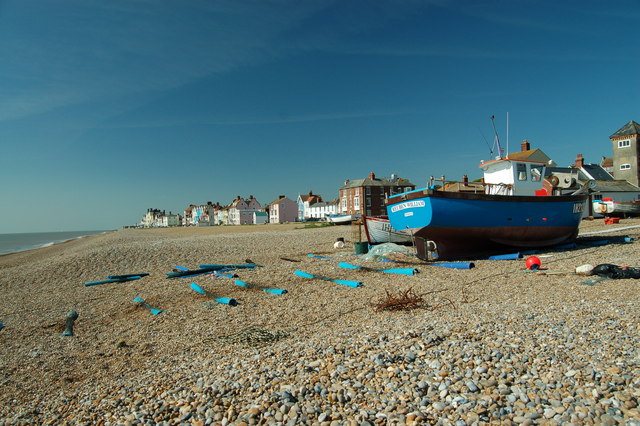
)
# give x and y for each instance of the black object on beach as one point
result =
(72, 316)
(204, 269)
(614, 271)
(117, 279)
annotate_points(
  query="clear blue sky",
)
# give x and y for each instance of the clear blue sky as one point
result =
(108, 108)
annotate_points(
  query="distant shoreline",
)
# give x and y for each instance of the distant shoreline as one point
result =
(48, 244)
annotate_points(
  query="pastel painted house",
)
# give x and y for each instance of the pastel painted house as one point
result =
(241, 211)
(283, 210)
(304, 202)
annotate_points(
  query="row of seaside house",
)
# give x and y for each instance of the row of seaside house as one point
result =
(617, 177)
(358, 197)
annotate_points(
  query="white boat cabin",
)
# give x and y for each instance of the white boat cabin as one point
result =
(506, 176)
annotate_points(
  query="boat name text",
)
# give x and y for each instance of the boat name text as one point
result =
(407, 205)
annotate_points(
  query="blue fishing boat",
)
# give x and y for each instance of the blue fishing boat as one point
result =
(513, 208)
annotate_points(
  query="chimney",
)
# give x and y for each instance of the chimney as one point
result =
(579, 162)
(310, 193)
(465, 180)
(525, 146)
(372, 176)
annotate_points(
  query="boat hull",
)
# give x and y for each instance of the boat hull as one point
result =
(466, 225)
(379, 230)
(340, 219)
(617, 208)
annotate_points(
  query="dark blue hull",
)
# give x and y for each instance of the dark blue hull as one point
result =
(469, 224)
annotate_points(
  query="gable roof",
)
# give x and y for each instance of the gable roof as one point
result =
(530, 155)
(357, 183)
(631, 128)
(615, 186)
(597, 172)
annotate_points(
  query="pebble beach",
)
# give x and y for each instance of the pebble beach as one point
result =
(494, 344)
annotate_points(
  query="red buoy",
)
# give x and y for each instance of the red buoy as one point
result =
(533, 262)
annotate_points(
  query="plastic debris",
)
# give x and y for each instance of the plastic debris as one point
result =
(615, 272)
(511, 256)
(143, 303)
(316, 256)
(318, 277)
(402, 271)
(117, 279)
(224, 300)
(453, 265)
(389, 251)
(338, 244)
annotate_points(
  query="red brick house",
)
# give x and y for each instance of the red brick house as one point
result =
(366, 197)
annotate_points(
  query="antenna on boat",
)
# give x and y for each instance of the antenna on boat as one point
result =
(507, 132)
(497, 138)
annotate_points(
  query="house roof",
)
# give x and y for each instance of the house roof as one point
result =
(631, 128)
(357, 183)
(615, 186)
(606, 162)
(530, 155)
(597, 172)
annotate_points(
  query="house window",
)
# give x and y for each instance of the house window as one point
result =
(356, 202)
(382, 190)
(521, 171)
(625, 143)
(368, 202)
(368, 190)
(344, 204)
(625, 166)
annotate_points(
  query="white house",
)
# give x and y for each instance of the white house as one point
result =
(322, 209)
(155, 218)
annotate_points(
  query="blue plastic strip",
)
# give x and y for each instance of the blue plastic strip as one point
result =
(198, 289)
(511, 256)
(274, 291)
(353, 284)
(565, 246)
(303, 274)
(455, 265)
(227, 301)
(595, 243)
(242, 284)
(318, 256)
(402, 271)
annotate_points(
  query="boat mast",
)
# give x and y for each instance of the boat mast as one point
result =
(496, 135)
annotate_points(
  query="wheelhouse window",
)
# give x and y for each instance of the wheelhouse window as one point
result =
(536, 173)
(521, 171)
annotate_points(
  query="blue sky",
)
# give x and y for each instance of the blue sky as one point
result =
(110, 108)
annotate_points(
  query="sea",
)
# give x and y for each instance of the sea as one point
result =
(12, 243)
